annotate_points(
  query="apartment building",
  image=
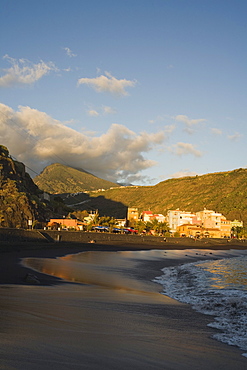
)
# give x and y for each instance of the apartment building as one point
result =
(176, 218)
(132, 214)
(225, 228)
(197, 231)
(209, 219)
(150, 216)
(146, 216)
(206, 223)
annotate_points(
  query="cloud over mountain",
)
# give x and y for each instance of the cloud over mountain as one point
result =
(37, 139)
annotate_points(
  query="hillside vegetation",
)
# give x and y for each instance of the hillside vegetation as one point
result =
(58, 178)
(19, 196)
(224, 192)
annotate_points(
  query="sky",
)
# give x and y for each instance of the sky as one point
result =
(132, 91)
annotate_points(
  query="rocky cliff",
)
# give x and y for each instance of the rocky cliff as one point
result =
(19, 196)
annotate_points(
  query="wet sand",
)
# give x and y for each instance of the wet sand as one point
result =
(121, 322)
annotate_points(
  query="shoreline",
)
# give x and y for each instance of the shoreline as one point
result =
(11, 254)
(59, 325)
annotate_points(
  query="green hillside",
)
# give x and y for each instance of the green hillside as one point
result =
(224, 192)
(58, 178)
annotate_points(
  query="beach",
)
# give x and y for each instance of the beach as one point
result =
(113, 316)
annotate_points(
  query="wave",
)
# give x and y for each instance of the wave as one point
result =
(205, 286)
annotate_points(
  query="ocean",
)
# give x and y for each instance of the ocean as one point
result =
(217, 288)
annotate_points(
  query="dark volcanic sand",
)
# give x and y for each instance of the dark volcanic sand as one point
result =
(61, 325)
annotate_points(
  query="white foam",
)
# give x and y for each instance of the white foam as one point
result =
(191, 283)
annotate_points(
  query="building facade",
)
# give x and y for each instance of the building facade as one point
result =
(149, 216)
(176, 218)
(206, 223)
(132, 215)
(209, 218)
(65, 223)
(197, 231)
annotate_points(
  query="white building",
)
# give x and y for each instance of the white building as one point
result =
(146, 216)
(210, 219)
(177, 218)
(149, 216)
(207, 220)
(159, 217)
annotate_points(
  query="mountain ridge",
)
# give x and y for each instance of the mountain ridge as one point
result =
(58, 178)
(224, 192)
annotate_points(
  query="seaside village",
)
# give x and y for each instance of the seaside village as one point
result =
(178, 223)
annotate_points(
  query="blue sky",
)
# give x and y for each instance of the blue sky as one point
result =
(132, 91)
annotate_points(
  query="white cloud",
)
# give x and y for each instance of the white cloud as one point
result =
(67, 69)
(235, 137)
(107, 83)
(169, 129)
(103, 110)
(216, 131)
(189, 122)
(69, 52)
(37, 140)
(183, 173)
(24, 72)
(185, 148)
(108, 110)
(93, 113)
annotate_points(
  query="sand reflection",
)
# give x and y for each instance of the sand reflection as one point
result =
(114, 270)
(109, 270)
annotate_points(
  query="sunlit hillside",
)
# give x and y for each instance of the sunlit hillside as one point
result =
(225, 192)
(58, 178)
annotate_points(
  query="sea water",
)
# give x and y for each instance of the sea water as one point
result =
(217, 288)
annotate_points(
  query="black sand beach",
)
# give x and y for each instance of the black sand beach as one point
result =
(63, 325)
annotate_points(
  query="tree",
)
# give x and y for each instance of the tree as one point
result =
(107, 221)
(1, 218)
(80, 214)
(140, 226)
(238, 231)
(157, 227)
(148, 226)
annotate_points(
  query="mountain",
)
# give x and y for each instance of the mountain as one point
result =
(224, 192)
(58, 178)
(19, 196)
